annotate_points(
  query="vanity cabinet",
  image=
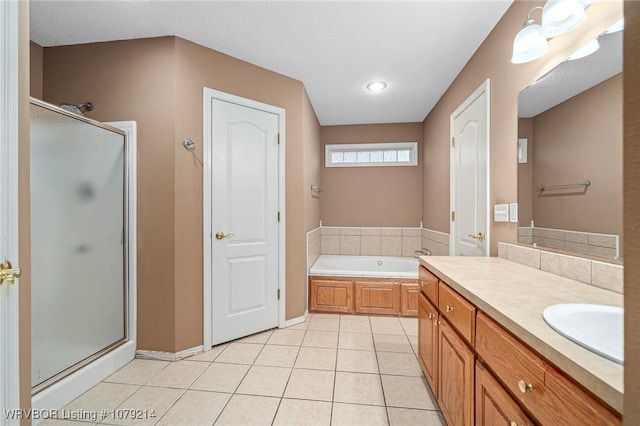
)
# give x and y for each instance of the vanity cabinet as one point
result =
(541, 388)
(483, 375)
(494, 406)
(428, 341)
(373, 296)
(444, 336)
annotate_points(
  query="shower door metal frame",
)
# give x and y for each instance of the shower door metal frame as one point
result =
(125, 220)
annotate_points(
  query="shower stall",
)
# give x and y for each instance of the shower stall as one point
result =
(80, 243)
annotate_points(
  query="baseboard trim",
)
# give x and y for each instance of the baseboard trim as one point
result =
(168, 356)
(295, 321)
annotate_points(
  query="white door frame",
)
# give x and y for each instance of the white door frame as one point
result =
(208, 96)
(484, 87)
(9, 133)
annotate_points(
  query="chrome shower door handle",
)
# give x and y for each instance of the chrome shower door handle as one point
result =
(221, 235)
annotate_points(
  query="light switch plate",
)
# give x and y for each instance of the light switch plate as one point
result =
(501, 213)
(513, 212)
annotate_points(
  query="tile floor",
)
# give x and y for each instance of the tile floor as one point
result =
(332, 369)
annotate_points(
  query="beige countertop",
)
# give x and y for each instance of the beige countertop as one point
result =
(515, 296)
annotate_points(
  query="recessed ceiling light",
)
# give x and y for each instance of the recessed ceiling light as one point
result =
(376, 86)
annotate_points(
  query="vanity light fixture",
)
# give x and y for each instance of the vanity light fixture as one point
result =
(585, 50)
(561, 16)
(376, 86)
(529, 44)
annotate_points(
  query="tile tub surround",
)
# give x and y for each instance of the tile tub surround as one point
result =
(515, 296)
(605, 245)
(373, 241)
(342, 378)
(600, 274)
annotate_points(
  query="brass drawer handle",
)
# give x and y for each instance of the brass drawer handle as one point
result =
(524, 387)
(449, 308)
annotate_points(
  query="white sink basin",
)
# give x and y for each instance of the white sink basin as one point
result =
(598, 328)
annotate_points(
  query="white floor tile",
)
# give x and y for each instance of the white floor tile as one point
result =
(249, 410)
(358, 388)
(356, 415)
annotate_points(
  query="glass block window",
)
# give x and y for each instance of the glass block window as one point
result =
(372, 154)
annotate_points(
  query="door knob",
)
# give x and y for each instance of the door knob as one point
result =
(221, 235)
(9, 273)
(478, 237)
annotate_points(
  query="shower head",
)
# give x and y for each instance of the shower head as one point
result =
(78, 109)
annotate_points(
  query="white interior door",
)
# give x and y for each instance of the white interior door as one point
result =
(245, 231)
(9, 356)
(469, 175)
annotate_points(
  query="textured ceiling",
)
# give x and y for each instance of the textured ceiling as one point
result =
(333, 47)
(573, 77)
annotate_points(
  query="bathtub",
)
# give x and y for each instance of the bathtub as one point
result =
(365, 266)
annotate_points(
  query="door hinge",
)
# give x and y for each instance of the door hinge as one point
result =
(278, 294)
(453, 216)
(278, 216)
(453, 142)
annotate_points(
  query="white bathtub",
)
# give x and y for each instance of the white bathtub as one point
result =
(365, 266)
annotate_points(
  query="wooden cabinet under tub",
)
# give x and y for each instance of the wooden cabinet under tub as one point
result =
(373, 296)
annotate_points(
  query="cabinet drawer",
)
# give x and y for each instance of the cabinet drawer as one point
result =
(377, 298)
(428, 284)
(458, 311)
(550, 396)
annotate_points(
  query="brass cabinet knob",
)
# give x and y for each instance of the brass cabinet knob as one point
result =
(449, 308)
(524, 387)
(513, 424)
(431, 315)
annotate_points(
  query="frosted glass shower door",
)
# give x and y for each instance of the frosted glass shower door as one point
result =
(78, 286)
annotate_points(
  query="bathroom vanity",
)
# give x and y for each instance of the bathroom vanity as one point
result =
(490, 358)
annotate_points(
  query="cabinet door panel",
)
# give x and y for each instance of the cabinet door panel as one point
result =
(456, 377)
(409, 300)
(428, 342)
(331, 296)
(494, 406)
(377, 298)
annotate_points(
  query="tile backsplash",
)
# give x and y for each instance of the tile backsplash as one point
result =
(372, 241)
(600, 274)
(605, 245)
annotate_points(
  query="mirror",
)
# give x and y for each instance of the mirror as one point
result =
(570, 155)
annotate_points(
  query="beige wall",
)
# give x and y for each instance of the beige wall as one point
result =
(35, 64)
(158, 82)
(574, 141)
(631, 216)
(199, 67)
(492, 60)
(371, 196)
(134, 80)
(525, 174)
(312, 160)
